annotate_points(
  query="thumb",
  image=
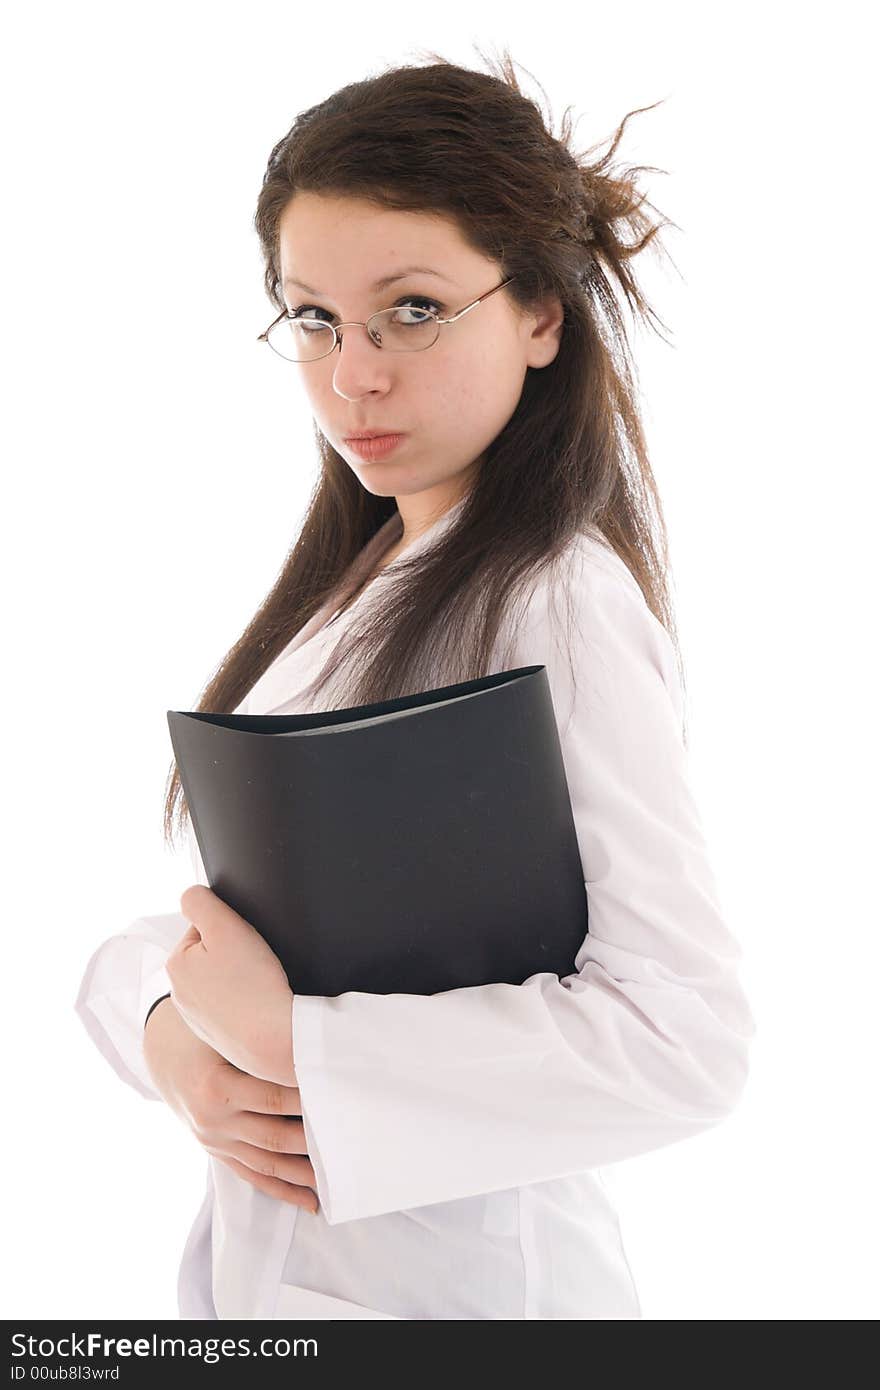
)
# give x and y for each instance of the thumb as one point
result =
(191, 937)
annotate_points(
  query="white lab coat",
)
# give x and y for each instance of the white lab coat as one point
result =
(458, 1139)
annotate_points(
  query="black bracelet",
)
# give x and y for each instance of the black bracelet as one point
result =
(153, 1005)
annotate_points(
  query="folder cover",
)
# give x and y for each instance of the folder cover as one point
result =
(412, 845)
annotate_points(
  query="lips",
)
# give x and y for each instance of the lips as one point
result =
(371, 434)
(376, 446)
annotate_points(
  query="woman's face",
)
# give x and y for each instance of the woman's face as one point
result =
(450, 400)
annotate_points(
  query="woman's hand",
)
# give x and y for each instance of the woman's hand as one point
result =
(232, 990)
(239, 1119)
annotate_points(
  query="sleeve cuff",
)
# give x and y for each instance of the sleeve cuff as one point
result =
(309, 1053)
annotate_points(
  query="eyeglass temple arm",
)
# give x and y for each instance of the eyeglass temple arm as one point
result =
(474, 302)
(262, 337)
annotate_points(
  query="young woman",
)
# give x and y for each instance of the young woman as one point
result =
(445, 274)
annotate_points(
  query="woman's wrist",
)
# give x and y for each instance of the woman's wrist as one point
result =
(271, 1053)
(154, 1005)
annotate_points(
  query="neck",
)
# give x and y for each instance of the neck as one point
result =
(419, 511)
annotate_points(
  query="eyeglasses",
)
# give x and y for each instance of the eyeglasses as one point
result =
(403, 328)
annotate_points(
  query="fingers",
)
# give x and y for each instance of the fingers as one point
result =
(264, 1097)
(276, 1136)
(191, 937)
(289, 1170)
(196, 901)
(191, 940)
(200, 904)
(273, 1187)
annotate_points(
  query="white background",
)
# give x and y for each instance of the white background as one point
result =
(159, 461)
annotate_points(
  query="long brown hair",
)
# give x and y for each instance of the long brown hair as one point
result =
(445, 139)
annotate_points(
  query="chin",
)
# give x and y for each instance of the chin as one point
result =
(370, 483)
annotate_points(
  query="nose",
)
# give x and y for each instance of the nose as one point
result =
(361, 366)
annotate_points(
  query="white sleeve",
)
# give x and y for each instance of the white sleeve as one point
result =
(414, 1099)
(124, 976)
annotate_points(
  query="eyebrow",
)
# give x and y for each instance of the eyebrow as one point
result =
(379, 284)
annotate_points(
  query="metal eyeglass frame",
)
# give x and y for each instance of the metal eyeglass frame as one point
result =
(354, 323)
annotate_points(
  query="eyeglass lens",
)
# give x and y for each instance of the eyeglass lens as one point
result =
(400, 329)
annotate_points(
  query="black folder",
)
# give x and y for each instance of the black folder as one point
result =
(409, 846)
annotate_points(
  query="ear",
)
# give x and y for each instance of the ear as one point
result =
(544, 331)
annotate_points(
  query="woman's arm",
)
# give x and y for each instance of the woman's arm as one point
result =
(411, 1099)
(125, 975)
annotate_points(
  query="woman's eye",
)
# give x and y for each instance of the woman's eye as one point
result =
(419, 301)
(308, 308)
